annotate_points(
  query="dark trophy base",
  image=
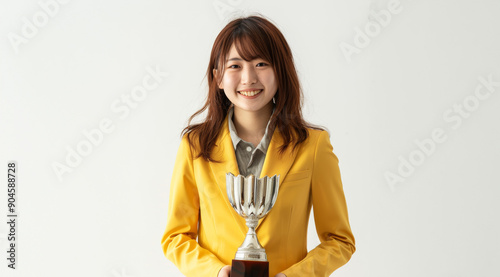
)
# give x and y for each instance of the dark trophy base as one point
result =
(249, 269)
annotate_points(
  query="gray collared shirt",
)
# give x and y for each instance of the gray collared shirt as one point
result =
(250, 159)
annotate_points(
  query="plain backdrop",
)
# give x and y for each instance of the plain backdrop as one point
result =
(409, 90)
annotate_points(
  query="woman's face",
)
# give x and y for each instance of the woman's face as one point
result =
(249, 85)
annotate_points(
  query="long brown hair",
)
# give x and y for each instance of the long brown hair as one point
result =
(254, 37)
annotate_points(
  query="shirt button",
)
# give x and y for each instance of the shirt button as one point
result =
(249, 148)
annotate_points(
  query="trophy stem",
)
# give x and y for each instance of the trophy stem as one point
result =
(251, 249)
(251, 235)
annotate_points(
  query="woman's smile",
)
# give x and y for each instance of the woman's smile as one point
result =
(250, 93)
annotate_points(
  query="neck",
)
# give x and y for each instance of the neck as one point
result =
(251, 125)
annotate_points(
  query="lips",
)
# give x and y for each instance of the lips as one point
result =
(250, 92)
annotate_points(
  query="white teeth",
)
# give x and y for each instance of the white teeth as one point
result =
(250, 92)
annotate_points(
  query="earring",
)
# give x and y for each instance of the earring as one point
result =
(274, 101)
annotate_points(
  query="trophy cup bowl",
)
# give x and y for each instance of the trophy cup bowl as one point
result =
(252, 199)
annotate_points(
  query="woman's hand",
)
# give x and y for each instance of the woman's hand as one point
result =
(280, 275)
(225, 271)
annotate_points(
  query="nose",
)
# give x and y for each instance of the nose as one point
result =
(248, 76)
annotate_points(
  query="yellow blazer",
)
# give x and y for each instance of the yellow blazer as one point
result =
(203, 231)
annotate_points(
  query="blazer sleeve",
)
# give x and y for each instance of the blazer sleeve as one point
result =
(179, 239)
(330, 215)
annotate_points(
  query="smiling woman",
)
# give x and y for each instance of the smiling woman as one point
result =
(254, 125)
(251, 40)
(250, 86)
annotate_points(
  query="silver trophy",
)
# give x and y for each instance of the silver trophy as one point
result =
(252, 199)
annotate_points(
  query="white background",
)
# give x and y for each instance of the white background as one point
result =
(107, 215)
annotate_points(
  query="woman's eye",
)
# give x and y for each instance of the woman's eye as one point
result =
(262, 64)
(233, 66)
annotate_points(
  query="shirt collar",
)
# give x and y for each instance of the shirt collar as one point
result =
(266, 139)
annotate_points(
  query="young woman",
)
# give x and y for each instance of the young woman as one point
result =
(254, 125)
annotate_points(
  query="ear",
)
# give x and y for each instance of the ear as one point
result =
(217, 78)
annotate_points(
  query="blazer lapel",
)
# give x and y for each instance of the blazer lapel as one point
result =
(274, 164)
(223, 151)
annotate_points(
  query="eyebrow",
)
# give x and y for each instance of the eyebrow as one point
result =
(235, 59)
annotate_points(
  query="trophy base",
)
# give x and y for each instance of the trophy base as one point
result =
(249, 269)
